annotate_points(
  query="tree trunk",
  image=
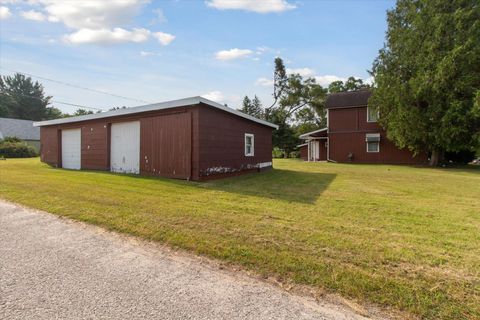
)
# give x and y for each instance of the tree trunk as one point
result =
(436, 157)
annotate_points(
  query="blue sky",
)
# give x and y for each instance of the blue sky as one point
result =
(161, 50)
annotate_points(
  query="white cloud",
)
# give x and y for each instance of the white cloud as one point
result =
(264, 82)
(164, 38)
(259, 6)
(233, 54)
(5, 13)
(160, 16)
(327, 79)
(98, 22)
(304, 72)
(323, 80)
(93, 14)
(216, 96)
(368, 80)
(33, 15)
(146, 53)
(107, 36)
(116, 36)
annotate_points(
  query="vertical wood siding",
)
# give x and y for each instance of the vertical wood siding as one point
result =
(304, 152)
(49, 145)
(166, 146)
(347, 130)
(95, 146)
(190, 142)
(222, 144)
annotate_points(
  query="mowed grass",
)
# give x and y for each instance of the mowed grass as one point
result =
(401, 237)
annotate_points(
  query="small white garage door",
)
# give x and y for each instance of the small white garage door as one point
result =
(125, 147)
(71, 149)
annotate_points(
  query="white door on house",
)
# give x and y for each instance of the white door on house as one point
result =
(125, 147)
(71, 149)
(314, 150)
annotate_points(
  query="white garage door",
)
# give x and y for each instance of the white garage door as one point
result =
(71, 149)
(125, 147)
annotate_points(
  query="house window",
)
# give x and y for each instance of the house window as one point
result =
(372, 115)
(249, 145)
(373, 142)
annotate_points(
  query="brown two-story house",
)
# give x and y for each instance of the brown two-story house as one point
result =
(353, 135)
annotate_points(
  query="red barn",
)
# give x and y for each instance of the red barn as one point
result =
(353, 134)
(192, 138)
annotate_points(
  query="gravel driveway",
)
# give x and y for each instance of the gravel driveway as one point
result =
(54, 268)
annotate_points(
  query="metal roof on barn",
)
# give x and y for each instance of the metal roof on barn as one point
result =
(155, 107)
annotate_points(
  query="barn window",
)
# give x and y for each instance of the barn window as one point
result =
(373, 142)
(249, 145)
(372, 114)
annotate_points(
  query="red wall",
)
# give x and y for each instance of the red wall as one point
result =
(165, 147)
(222, 143)
(95, 146)
(347, 129)
(49, 145)
(214, 139)
(304, 152)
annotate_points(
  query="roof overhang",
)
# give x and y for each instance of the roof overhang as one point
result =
(372, 137)
(308, 134)
(153, 107)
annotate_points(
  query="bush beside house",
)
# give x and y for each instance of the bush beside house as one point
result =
(12, 147)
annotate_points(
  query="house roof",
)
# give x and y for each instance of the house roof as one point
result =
(311, 133)
(348, 99)
(154, 107)
(22, 129)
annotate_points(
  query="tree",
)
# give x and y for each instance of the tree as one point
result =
(307, 120)
(292, 94)
(82, 112)
(427, 76)
(21, 98)
(351, 84)
(302, 93)
(279, 80)
(252, 107)
(117, 108)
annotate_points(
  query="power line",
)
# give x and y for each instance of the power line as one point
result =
(77, 105)
(56, 101)
(76, 86)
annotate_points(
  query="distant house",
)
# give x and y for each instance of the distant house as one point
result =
(353, 135)
(192, 138)
(22, 129)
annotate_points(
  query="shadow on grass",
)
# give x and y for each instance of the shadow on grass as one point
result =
(276, 184)
(287, 185)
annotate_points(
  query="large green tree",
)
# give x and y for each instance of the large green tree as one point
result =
(351, 84)
(427, 76)
(21, 98)
(293, 95)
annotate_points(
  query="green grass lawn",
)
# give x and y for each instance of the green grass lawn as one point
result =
(401, 237)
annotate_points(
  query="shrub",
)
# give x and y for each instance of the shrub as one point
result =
(11, 139)
(16, 150)
(294, 154)
(277, 153)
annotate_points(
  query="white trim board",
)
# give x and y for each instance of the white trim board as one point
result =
(154, 107)
(307, 134)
